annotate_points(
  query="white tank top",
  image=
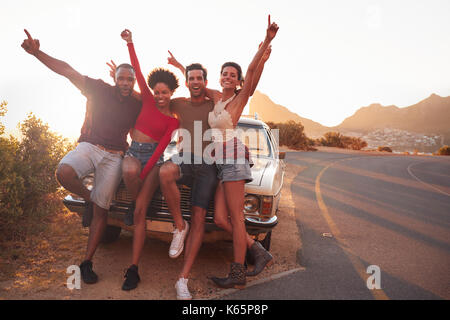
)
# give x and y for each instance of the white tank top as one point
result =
(220, 119)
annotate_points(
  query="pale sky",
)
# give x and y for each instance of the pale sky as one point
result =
(329, 58)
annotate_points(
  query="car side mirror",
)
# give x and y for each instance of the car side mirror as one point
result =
(281, 155)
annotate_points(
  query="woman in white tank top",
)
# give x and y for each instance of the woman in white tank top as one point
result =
(229, 198)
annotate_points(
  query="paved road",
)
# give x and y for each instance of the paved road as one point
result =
(355, 210)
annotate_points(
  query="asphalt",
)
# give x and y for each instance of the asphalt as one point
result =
(355, 210)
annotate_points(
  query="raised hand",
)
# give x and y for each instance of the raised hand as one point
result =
(266, 54)
(272, 30)
(112, 69)
(171, 60)
(126, 35)
(30, 45)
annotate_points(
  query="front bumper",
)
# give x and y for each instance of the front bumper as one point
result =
(117, 211)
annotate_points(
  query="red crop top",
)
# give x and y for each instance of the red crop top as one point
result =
(151, 121)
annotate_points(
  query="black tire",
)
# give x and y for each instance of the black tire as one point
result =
(266, 241)
(111, 234)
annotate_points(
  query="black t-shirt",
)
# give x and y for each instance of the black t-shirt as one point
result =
(109, 116)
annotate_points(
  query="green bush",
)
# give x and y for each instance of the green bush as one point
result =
(27, 183)
(444, 151)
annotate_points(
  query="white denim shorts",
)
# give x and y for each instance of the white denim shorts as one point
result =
(107, 168)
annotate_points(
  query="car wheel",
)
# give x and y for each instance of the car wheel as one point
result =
(266, 241)
(111, 234)
(266, 245)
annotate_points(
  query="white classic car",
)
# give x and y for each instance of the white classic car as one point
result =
(261, 199)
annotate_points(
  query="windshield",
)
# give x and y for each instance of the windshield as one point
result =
(255, 138)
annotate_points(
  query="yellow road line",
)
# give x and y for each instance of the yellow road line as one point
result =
(378, 294)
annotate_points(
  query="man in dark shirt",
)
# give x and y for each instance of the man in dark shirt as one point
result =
(111, 112)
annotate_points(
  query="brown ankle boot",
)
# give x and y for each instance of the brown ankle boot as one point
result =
(262, 258)
(236, 278)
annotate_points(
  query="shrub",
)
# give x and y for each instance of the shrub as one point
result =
(27, 183)
(292, 135)
(444, 151)
(384, 148)
(336, 139)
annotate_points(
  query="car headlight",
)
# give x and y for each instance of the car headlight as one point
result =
(251, 204)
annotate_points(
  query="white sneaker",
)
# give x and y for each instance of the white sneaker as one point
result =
(182, 289)
(177, 245)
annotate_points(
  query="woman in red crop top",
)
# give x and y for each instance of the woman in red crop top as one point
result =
(150, 137)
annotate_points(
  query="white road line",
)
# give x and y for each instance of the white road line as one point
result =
(427, 184)
(226, 292)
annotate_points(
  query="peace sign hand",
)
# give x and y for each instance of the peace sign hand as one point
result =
(272, 30)
(30, 45)
(126, 35)
(112, 69)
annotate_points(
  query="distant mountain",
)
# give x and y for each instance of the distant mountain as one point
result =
(429, 116)
(268, 110)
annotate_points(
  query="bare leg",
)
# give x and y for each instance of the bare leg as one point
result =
(142, 202)
(194, 240)
(131, 169)
(68, 178)
(221, 217)
(168, 175)
(234, 197)
(96, 230)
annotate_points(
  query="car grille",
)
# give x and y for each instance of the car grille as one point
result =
(158, 203)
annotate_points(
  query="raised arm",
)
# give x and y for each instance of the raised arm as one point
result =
(145, 91)
(32, 46)
(236, 106)
(260, 68)
(171, 60)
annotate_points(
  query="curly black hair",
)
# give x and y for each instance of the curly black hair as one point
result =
(162, 75)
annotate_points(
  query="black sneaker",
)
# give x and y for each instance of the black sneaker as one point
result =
(131, 278)
(87, 274)
(87, 215)
(129, 216)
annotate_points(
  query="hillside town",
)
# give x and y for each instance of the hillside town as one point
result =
(400, 140)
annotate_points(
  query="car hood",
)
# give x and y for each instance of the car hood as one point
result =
(261, 167)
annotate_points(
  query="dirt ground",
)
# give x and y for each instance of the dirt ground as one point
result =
(37, 268)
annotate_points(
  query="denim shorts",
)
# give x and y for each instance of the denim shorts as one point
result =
(107, 168)
(234, 172)
(143, 152)
(201, 178)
